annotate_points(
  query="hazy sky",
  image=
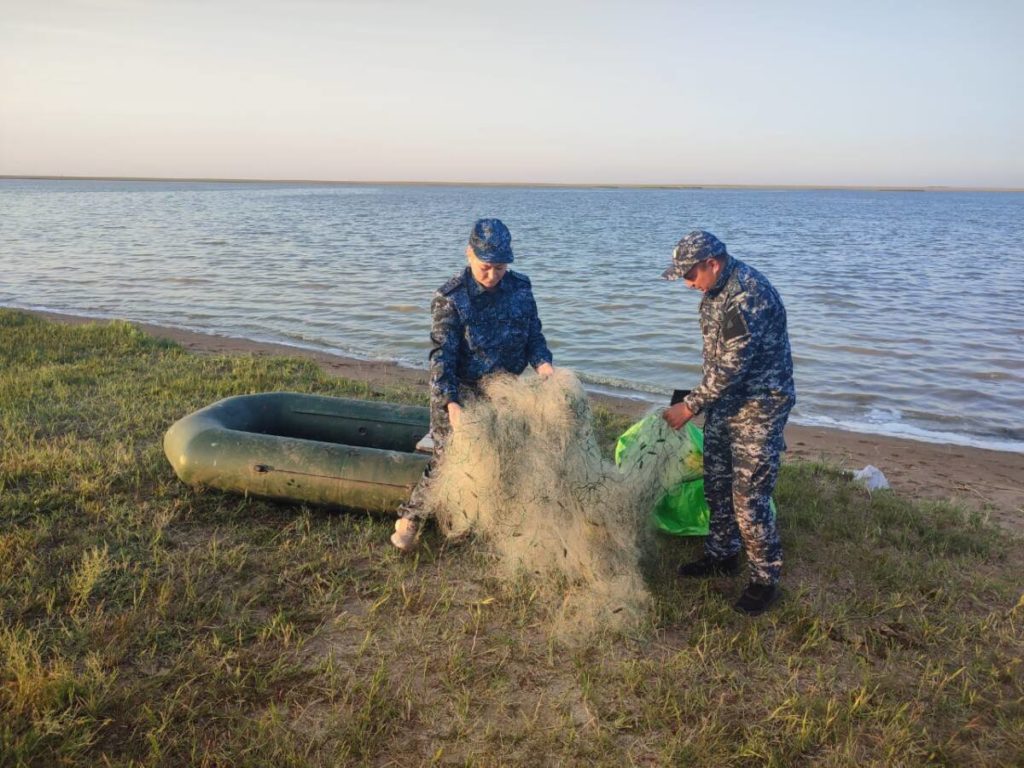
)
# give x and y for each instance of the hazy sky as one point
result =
(763, 92)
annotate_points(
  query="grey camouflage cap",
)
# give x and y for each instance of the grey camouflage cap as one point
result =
(693, 248)
(491, 241)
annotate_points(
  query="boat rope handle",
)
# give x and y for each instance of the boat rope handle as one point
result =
(265, 468)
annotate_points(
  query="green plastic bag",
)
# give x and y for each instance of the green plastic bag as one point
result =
(683, 511)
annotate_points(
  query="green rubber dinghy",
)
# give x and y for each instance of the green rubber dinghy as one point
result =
(324, 450)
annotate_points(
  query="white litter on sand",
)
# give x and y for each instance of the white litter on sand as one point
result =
(871, 477)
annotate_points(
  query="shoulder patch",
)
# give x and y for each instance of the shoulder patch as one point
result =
(734, 325)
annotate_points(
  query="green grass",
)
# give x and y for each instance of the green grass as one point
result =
(144, 623)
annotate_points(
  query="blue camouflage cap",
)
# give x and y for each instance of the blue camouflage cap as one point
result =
(491, 241)
(693, 248)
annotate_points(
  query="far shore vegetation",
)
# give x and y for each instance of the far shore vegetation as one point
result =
(146, 623)
(537, 184)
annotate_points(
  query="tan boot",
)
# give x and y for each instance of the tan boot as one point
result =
(404, 536)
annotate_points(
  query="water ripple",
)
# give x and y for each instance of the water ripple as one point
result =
(886, 337)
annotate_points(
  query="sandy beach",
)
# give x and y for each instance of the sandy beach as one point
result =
(989, 481)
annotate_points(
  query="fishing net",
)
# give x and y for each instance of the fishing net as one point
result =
(525, 474)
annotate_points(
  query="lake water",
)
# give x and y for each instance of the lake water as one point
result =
(904, 307)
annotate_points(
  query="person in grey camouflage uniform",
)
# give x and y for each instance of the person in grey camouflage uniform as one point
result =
(484, 321)
(746, 393)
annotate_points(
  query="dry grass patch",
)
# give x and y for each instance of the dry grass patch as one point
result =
(143, 623)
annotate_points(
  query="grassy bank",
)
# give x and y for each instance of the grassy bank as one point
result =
(146, 623)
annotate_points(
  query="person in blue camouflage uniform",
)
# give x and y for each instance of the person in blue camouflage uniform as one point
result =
(746, 393)
(484, 321)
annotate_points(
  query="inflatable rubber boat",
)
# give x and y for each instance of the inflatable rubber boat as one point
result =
(324, 450)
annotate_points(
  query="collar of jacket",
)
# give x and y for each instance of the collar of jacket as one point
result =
(474, 289)
(727, 270)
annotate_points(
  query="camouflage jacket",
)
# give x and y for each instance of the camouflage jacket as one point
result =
(746, 344)
(477, 332)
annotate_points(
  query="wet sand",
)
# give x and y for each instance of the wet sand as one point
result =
(991, 481)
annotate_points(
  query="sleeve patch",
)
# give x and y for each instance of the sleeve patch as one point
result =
(734, 325)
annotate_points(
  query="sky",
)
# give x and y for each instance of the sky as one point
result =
(871, 92)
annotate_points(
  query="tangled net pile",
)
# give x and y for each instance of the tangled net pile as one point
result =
(524, 472)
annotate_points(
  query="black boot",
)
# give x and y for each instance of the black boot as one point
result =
(708, 566)
(757, 598)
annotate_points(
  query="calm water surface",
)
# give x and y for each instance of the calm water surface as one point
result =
(904, 307)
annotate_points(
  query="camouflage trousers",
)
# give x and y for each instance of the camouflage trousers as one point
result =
(440, 429)
(742, 445)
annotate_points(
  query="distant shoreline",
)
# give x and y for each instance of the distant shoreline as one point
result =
(528, 184)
